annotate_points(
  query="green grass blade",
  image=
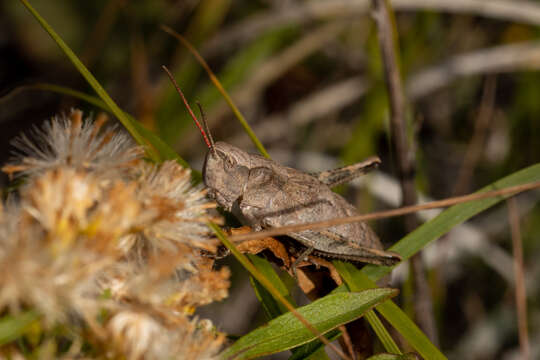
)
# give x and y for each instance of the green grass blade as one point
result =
(276, 293)
(128, 124)
(11, 327)
(310, 348)
(417, 240)
(393, 357)
(455, 215)
(286, 331)
(272, 307)
(382, 333)
(269, 286)
(376, 324)
(391, 312)
(314, 350)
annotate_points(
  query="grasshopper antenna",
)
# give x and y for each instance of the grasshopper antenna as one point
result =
(205, 123)
(209, 143)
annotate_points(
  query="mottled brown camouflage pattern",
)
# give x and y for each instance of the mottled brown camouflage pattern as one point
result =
(264, 194)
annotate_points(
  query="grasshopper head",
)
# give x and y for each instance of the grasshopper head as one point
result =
(225, 173)
(226, 168)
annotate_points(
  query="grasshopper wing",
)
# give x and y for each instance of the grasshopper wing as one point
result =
(285, 196)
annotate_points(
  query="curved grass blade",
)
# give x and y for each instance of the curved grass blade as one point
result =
(446, 220)
(128, 124)
(418, 239)
(271, 306)
(393, 357)
(274, 308)
(314, 350)
(371, 317)
(235, 71)
(271, 288)
(286, 331)
(391, 312)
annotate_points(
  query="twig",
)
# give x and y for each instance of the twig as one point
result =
(346, 343)
(402, 150)
(404, 156)
(474, 150)
(525, 12)
(284, 230)
(519, 274)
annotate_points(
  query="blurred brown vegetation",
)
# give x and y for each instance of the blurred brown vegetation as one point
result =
(308, 77)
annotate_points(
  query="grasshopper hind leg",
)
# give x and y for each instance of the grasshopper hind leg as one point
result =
(353, 252)
(375, 257)
(335, 177)
(303, 255)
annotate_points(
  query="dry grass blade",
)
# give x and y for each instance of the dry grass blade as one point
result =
(519, 274)
(497, 59)
(404, 155)
(526, 12)
(481, 126)
(284, 230)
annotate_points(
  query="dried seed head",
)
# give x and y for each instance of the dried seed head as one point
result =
(78, 227)
(137, 335)
(38, 273)
(70, 141)
(70, 205)
(178, 211)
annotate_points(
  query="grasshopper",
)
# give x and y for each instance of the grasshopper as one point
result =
(263, 194)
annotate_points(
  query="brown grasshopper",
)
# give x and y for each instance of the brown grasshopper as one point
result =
(264, 194)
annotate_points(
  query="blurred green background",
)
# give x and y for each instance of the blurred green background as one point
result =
(308, 77)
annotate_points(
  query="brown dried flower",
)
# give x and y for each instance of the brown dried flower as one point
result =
(177, 211)
(109, 248)
(42, 271)
(70, 141)
(137, 335)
